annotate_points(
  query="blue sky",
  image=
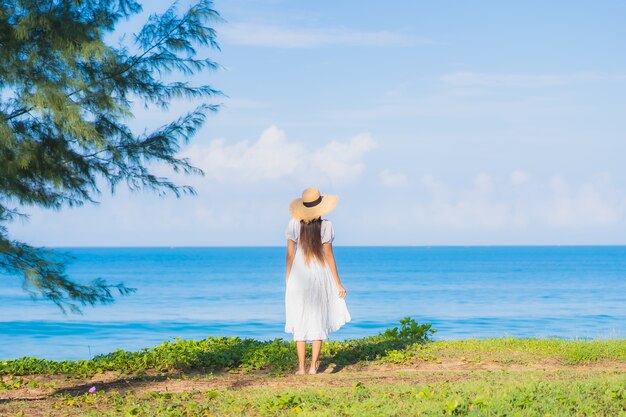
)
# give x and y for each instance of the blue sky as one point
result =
(437, 123)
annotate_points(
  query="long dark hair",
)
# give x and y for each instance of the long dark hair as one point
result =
(311, 240)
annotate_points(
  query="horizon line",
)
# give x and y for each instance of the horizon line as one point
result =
(341, 246)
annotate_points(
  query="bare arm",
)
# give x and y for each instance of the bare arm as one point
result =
(291, 252)
(330, 259)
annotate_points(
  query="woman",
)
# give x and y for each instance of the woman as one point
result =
(314, 298)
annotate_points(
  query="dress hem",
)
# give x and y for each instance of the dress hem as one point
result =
(290, 329)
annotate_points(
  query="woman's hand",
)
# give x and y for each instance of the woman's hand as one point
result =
(342, 291)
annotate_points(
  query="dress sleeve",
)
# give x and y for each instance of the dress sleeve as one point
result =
(328, 233)
(291, 233)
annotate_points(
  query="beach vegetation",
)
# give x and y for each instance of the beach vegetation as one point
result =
(394, 373)
(402, 345)
(222, 353)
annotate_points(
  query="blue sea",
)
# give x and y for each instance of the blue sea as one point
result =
(192, 293)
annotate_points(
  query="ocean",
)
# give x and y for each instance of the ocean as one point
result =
(192, 293)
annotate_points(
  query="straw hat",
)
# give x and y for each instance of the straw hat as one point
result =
(312, 205)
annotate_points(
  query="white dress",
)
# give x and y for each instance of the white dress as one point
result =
(312, 303)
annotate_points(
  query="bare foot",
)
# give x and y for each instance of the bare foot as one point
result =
(300, 372)
(313, 369)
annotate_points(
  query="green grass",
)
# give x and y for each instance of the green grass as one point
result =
(481, 394)
(522, 351)
(561, 386)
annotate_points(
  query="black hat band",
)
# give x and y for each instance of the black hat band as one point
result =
(312, 203)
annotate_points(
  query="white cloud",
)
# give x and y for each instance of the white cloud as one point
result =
(392, 179)
(255, 34)
(438, 189)
(452, 103)
(483, 183)
(483, 209)
(342, 161)
(595, 202)
(467, 79)
(474, 79)
(273, 156)
(470, 95)
(460, 208)
(431, 182)
(555, 203)
(519, 177)
(268, 158)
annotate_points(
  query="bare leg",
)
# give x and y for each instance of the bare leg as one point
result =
(317, 346)
(301, 347)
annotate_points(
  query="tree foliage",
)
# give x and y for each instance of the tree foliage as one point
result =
(66, 97)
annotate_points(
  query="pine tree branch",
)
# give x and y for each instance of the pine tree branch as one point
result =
(136, 60)
(18, 113)
(44, 276)
(56, 69)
